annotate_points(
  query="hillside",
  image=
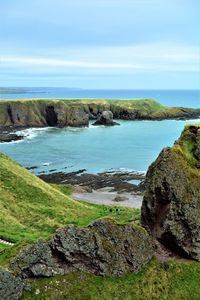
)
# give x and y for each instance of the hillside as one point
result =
(31, 209)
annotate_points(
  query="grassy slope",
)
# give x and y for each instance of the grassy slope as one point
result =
(144, 105)
(169, 280)
(32, 209)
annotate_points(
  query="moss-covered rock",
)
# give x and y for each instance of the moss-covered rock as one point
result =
(103, 248)
(171, 206)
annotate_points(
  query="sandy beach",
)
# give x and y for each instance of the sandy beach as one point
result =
(106, 196)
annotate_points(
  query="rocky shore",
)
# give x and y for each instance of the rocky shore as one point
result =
(117, 181)
(9, 134)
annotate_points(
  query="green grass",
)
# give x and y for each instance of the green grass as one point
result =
(187, 144)
(31, 209)
(170, 280)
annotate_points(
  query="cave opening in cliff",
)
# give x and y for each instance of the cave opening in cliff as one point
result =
(51, 116)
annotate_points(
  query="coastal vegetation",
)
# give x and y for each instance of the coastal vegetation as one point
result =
(173, 280)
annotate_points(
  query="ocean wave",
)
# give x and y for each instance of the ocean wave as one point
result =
(12, 142)
(31, 133)
(124, 170)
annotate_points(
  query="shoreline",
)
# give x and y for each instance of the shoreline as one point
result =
(106, 196)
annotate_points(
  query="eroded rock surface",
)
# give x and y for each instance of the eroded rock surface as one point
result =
(11, 287)
(103, 248)
(171, 206)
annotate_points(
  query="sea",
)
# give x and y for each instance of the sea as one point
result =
(132, 146)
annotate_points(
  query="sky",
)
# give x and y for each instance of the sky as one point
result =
(100, 44)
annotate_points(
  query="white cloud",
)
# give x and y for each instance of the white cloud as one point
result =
(140, 58)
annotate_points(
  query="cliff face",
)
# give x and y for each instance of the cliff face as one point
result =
(171, 206)
(41, 113)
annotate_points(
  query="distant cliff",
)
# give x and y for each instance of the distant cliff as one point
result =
(61, 113)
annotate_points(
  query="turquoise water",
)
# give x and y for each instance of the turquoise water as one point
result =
(133, 146)
(189, 98)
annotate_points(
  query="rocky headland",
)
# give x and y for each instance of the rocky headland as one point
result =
(77, 113)
(171, 205)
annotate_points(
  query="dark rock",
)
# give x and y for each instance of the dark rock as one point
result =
(35, 261)
(170, 209)
(103, 248)
(11, 287)
(117, 180)
(106, 118)
(32, 168)
(9, 137)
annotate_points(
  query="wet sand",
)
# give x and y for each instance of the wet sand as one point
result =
(106, 196)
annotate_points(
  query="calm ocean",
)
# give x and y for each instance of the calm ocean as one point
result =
(131, 146)
(167, 97)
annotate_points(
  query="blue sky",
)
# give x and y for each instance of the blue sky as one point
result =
(100, 43)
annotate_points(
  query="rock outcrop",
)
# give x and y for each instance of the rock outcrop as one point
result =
(106, 118)
(103, 248)
(10, 137)
(171, 206)
(11, 287)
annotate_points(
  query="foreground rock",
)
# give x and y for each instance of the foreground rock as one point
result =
(11, 287)
(103, 248)
(171, 206)
(106, 119)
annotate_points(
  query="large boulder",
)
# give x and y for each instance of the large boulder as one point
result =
(106, 118)
(103, 248)
(11, 287)
(171, 205)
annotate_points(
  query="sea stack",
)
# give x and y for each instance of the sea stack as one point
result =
(106, 118)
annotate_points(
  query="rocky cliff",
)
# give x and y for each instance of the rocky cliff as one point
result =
(171, 206)
(60, 113)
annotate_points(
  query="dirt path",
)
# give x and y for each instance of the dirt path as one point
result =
(104, 196)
